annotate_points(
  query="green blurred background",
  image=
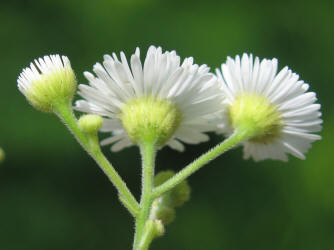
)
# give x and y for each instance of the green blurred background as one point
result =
(53, 196)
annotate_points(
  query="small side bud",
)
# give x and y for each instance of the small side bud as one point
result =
(47, 82)
(178, 195)
(90, 123)
(163, 176)
(159, 228)
(164, 206)
(181, 194)
(165, 214)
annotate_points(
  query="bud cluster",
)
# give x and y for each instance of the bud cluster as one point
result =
(164, 206)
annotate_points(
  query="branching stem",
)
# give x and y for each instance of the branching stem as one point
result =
(91, 145)
(213, 153)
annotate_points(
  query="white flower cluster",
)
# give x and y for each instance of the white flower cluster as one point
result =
(192, 101)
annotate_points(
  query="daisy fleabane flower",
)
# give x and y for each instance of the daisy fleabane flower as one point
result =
(48, 81)
(161, 100)
(275, 105)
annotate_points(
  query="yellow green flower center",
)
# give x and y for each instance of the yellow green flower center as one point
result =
(51, 88)
(255, 113)
(150, 119)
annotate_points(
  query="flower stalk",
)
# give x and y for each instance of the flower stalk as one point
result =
(148, 152)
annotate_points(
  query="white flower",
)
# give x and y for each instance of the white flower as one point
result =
(180, 98)
(281, 100)
(50, 80)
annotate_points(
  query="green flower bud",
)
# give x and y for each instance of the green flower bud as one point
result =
(90, 123)
(159, 228)
(163, 176)
(51, 81)
(178, 195)
(163, 208)
(165, 214)
(154, 227)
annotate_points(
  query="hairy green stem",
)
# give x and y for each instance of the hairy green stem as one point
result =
(234, 139)
(91, 145)
(146, 238)
(152, 229)
(148, 152)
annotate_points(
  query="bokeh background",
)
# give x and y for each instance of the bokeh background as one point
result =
(53, 196)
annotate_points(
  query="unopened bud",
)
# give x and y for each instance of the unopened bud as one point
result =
(178, 195)
(90, 123)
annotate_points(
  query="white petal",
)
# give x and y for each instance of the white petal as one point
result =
(125, 142)
(174, 144)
